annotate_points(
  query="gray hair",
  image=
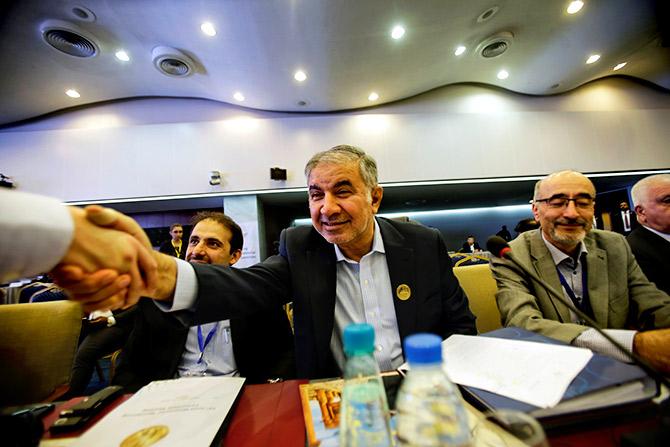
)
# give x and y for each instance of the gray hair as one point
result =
(640, 190)
(344, 154)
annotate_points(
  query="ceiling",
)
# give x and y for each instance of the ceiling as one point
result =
(344, 47)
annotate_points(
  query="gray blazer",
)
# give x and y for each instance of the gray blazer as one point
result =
(620, 294)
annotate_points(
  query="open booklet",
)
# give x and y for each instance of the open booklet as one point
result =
(178, 412)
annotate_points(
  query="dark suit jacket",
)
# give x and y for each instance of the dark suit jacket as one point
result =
(262, 345)
(167, 248)
(305, 272)
(652, 253)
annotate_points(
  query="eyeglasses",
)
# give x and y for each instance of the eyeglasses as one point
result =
(582, 202)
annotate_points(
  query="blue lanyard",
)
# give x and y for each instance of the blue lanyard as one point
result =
(202, 345)
(581, 304)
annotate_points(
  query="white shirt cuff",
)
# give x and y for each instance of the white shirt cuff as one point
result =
(185, 291)
(591, 339)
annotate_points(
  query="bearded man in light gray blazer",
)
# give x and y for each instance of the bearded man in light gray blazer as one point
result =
(595, 269)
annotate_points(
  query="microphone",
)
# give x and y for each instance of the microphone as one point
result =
(498, 246)
(501, 249)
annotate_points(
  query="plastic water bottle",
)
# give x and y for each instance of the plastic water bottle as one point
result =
(430, 410)
(364, 412)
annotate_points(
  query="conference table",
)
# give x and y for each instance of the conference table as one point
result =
(270, 415)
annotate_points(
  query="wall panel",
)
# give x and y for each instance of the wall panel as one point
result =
(456, 132)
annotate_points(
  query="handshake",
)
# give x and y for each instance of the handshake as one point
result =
(110, 263)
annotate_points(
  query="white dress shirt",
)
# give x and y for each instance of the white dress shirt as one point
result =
(218, 358)
(363, 295)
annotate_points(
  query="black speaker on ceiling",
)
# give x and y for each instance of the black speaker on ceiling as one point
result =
(277, 174)
(6, 182)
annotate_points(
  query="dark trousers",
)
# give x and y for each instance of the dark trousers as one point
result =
(97, 342)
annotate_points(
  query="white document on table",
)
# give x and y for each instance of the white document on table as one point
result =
(179, 412)
(535, 373)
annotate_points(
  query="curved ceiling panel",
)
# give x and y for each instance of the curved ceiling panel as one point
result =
(249, 52)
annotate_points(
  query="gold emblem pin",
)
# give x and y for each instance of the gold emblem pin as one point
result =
(146, 436)
(403, 292)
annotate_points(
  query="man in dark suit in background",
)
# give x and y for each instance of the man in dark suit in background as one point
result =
(259, 347)
(650, 241)
(623, 221)
(470, 245)
(350, 267)
(174, 247)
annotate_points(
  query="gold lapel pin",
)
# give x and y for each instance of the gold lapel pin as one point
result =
(403, 292)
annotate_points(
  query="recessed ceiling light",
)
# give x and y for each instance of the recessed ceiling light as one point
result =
(488, 14)
(373, 96)
(575, 7)
(593, 58)
(122, 56)
(503, 74)
(619, 66)
(459, 50)
(238, 96)
(72, 93)
(208, 29)
(300, 76)
(397, 32)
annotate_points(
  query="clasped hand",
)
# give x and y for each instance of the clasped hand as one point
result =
(110, 263)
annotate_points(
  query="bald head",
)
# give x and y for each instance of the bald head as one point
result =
(651, 198)
(569, 176)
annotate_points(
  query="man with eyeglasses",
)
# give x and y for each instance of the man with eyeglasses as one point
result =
(595, 269)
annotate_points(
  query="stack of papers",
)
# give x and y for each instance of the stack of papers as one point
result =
(511, 368)
(535, 373)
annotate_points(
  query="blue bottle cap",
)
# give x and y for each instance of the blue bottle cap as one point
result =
(423, 349)
(358, 338)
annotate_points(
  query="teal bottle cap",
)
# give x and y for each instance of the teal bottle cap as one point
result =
(358, 338)
(423, 349)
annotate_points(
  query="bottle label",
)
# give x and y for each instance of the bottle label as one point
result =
(365, 418)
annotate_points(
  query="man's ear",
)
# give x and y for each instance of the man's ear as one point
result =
(640, 214)
(536, 213)
(237, 254)
(376, 194)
